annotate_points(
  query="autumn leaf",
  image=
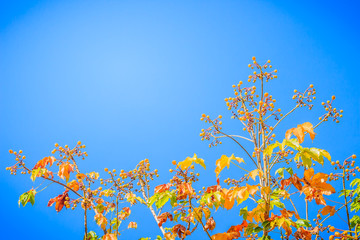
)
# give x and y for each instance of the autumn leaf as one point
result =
(295, 180)
(94, 175)
(255, 173)
(229, 196)
(80, 176)
(169, 236)
(125, 213)
(302, 233)
(45, 161)
(64, 171)
(300, 130)
(328, 210)
(190, 160)
(232, 233)
(225, 161)
(315, 186)
(101, 220)
(164, 217)
(184, 190)
(74, 185)
(162, 188)
(109, 236)
(210, 224)
(288, 214)
(132, 225)
(225, 236)
(59, 200)
(180, 230)
(257, 213)
(238, 228)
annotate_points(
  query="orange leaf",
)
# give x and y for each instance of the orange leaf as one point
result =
(162, 188)
(101, 220)
(328, 210)
(64, 171)
(181, 231)
(109, 236)
(80, 176)
(229, 198)
(238, 228)
(59, 200)
(225, 236)
(45, 161)
(300, 130)
(164, 217)
(74, 185)
(184, 190)
(210, 224)
(302, 233)
(308, 174)
(132, 225)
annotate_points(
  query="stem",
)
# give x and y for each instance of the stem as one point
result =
(238, 144)
(281, 120)
(346, 202)
(240, 167)
(245, 138)
(150, 207)
(85, 222)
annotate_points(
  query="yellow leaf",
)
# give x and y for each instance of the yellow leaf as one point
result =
(190, 160)
(225, 161)
(255, 173)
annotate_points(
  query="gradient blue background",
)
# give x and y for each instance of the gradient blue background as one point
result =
(130, 79)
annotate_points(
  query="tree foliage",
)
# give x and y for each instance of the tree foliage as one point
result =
(276, 172)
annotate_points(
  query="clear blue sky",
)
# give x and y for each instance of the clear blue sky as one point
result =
(130, 79)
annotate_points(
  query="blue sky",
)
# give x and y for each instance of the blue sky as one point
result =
(130, 79)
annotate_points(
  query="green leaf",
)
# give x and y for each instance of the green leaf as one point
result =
(306, 161)
(36, 172)
(115, 223)
(277, 203)
(266, 224)
(355, 182)
(244, 213)
(293, 143)
(303, 223)
(280, 171)
(27, 197)
(162, 201)
(269, 149)
(92, 236)
(355, 220)
(100, 208)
